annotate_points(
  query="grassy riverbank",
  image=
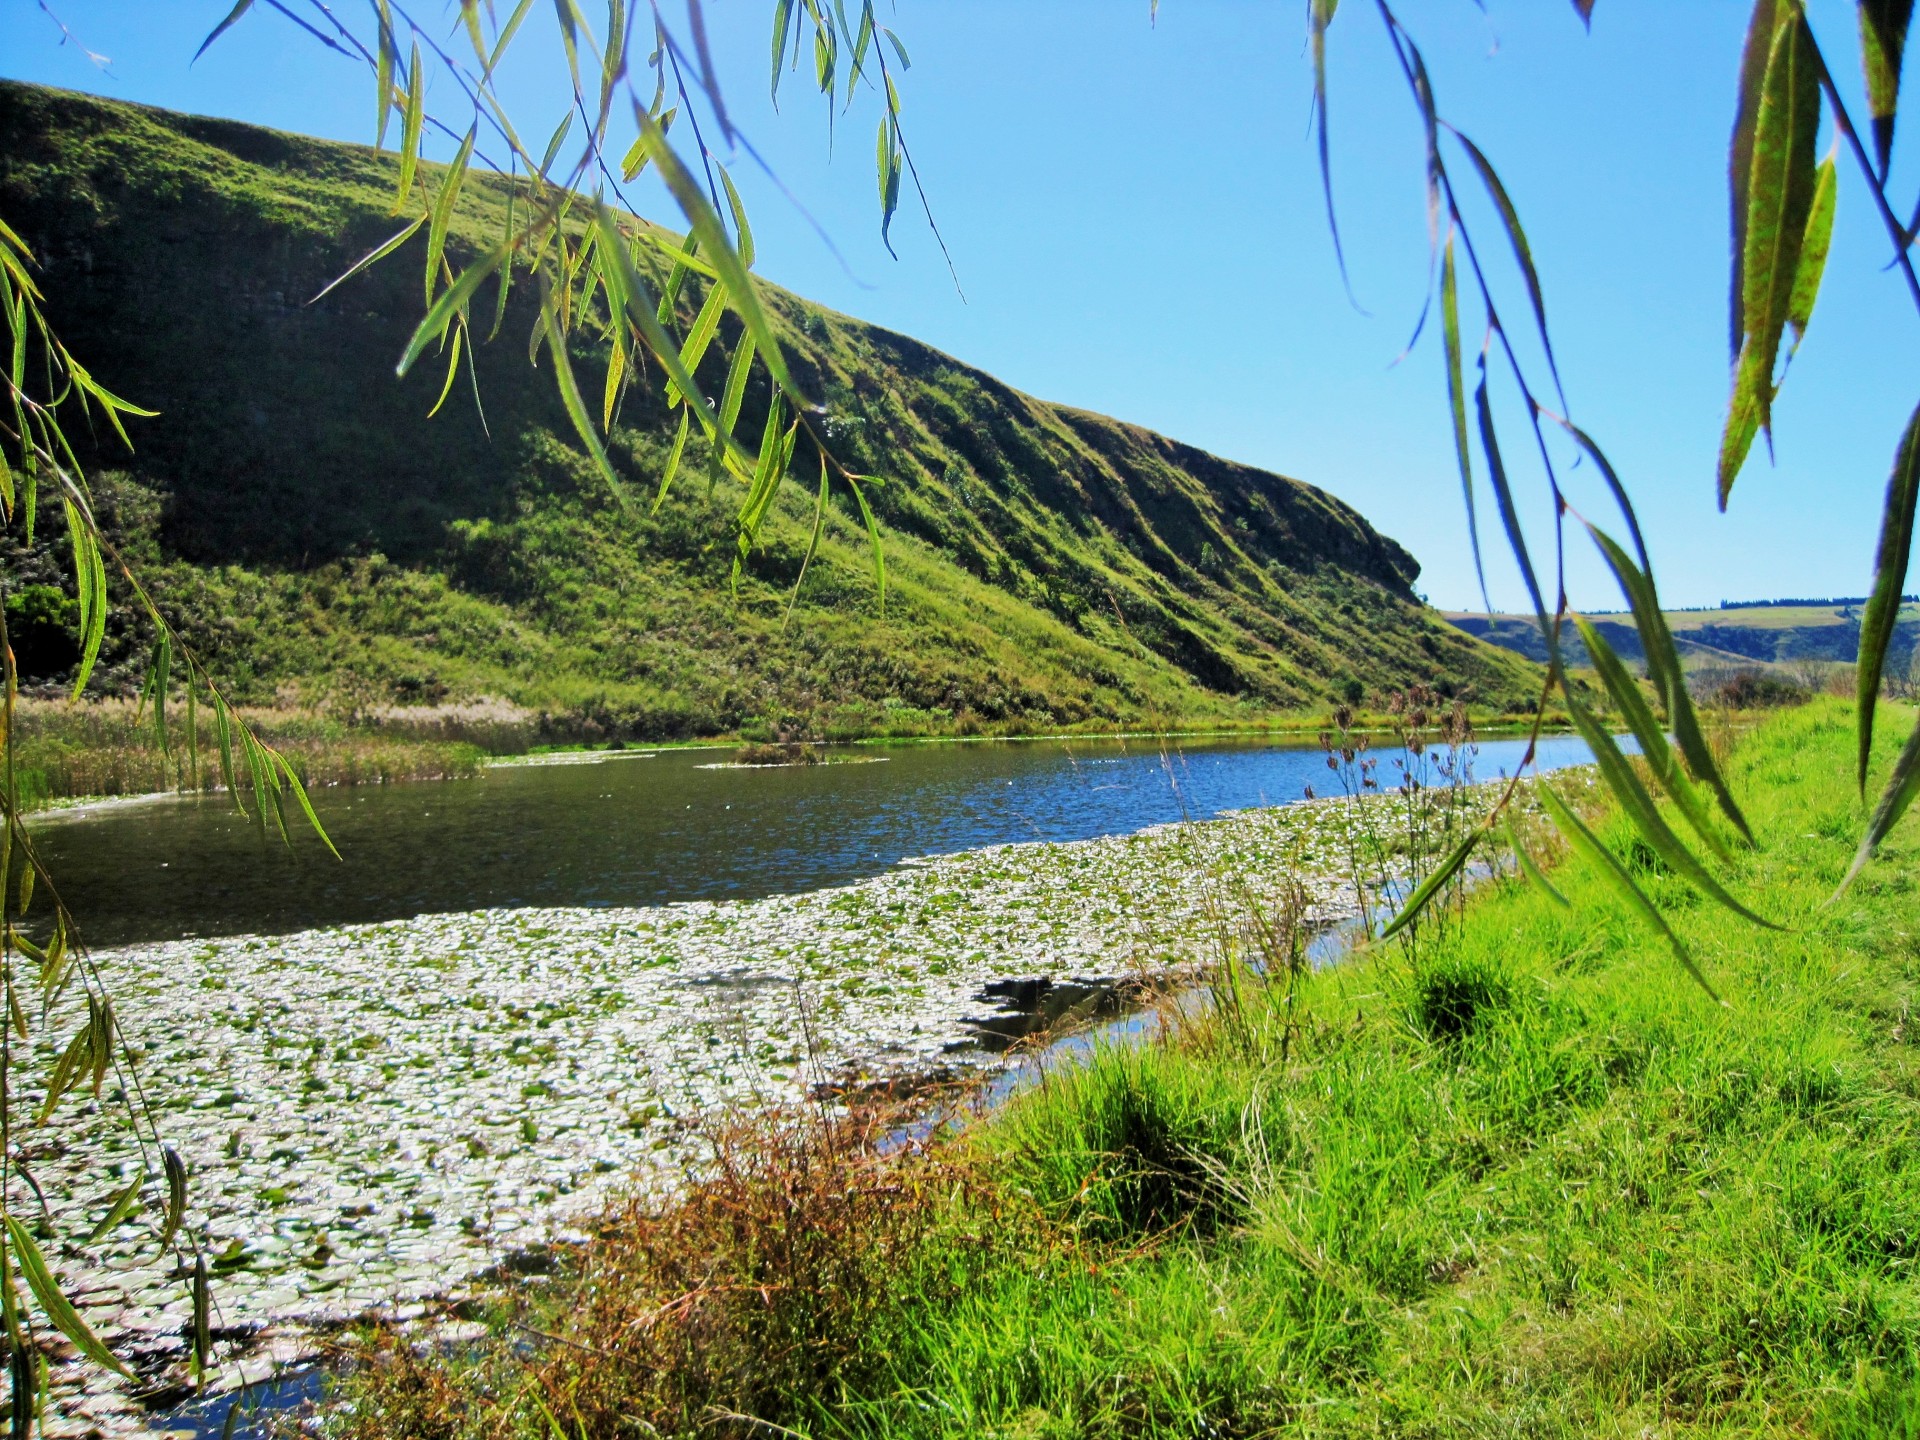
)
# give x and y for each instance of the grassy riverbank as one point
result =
(108, 748)
(1531, 1181)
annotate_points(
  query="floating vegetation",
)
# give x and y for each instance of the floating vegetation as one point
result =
(374, 1114)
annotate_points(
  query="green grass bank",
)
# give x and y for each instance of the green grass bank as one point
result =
(1525, 1180)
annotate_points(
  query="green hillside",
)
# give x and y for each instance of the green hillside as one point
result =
(318, 538)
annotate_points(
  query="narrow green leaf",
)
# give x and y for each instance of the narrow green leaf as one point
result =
(53, 1301)
(716, 246)
(122, 1208)
(1601, 858)
(233, 17)
(410, 123)
(442, 212)
(453, 301)
(1753, 69)
(1430, 888)
(735, 393)
(1509, 513)
(1633, 798)
(1517, 238)
(1663, 664)
(374, 256)
(1654, 748)
(202, 1316)
(1882, 614)
(738, 210)
(162, 666)
(1531, 867)
(813, 543)
(1901, 786)
(673, 462)
(1813, 251)
(1457, 398)
(616, 380)
(1883, 48)
(507, 33)
(576, 407)
(176, 1195)
(700, 336)
(782, 28)
(383, 69)
(1780, 194)
(873, 539)
(223, 730)
(305, 803)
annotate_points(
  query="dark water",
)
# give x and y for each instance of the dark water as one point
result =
(639, 829)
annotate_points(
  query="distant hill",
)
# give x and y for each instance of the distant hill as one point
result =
(316, 535)
(1760, 634)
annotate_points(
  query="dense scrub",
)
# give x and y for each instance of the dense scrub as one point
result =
(306, 527)
(1526, 1180)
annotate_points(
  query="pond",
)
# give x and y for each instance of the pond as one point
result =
(638, 828)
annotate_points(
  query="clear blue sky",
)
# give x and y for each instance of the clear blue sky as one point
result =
(1135, 214)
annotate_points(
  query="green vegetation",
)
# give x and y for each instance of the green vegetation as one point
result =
(107, 748)
(1526, 1180)
(312, 536)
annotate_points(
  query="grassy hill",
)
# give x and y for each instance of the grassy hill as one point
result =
(1739, 636)
(319, 539)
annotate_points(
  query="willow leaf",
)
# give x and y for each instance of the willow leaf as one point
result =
(1663, 665)
(1882, 615)
(53, 1301)
(1517, 238)
(699, 339)
(1894, 800)
(176, 1195)
(1813, 251)
(1753, 69)
(125, 1202)
(1639, 806)
(1510, 515)
(374, 256)
(813, 542)
(640, 312)
(737, 208)
(577, 409)
(1654, 747)
(1532, 868)
(1319, 16)
(782, 28)
(1430, 887)
(233, 18)
(716, 246)
(1883, 48)
(1457, 399)
(305, 803)
(162, 666)
(383, 69)
(1780, 195)
(873, 539)
(410, 122)
(452, 302)
(442, 212)
(737, 374)
(673, 461)
(1601, 858)
(616, 379)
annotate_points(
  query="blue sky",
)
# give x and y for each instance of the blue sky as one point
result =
(1134, 212)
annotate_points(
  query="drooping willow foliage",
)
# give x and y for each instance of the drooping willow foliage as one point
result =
(646, 95)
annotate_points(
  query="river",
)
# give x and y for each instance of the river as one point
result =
(638, 828)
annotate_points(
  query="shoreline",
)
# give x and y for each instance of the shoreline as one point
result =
(466, 1087)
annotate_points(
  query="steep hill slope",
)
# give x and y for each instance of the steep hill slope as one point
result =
(312, 530)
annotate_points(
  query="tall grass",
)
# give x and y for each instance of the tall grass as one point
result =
(107, 748)
(1529, 1180)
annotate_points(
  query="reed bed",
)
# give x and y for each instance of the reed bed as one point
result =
(109, 748)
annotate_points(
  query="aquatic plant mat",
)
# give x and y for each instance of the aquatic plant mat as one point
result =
(374, 1115)
(1531, 1181)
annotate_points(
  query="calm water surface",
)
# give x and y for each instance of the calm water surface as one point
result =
(646, 829)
